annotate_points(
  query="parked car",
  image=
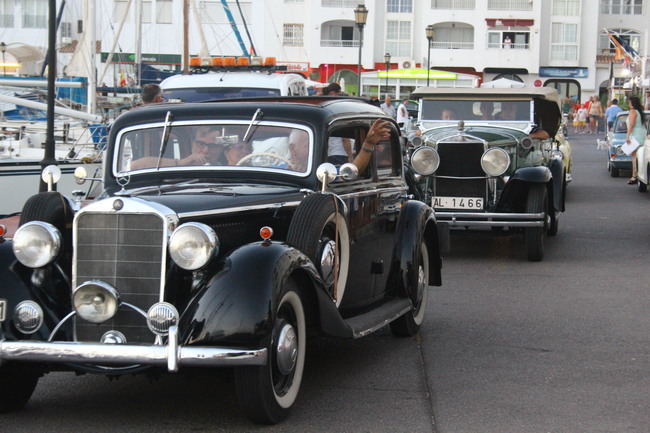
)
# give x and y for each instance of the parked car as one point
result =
(492, 158)
(189, 261)
(643, 157)
(617, 159)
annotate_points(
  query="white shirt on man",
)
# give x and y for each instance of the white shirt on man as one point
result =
(402, 114)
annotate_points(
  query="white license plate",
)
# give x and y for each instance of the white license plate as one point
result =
(458, 203)
(3, 309)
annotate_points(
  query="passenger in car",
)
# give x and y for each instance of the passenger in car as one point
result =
(205, 151)
(299, 150)
(486, 108)
(448, 114)
(234, 152)
(379, 131)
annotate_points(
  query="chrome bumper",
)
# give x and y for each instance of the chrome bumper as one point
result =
(486, 219)
(172, 355)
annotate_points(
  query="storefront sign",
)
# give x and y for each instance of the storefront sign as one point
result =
(563, 72)
(417, 73)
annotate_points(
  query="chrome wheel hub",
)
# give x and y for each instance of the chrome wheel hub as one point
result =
(287, 349)
(328, 253)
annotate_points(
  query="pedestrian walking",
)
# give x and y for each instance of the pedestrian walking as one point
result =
(611, 113)
(388, 107)
(402, 113)
(595, 113)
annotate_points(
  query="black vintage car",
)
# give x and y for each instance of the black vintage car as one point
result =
(491, 158)
(222, 236)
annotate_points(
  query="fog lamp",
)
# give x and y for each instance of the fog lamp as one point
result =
(95, 301)
(161, 317)
(28, 317)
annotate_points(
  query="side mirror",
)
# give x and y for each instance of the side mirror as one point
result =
(349, 171)
(326, 173)
(51, 175)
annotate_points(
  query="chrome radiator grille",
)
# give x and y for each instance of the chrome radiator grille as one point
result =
(124, 250)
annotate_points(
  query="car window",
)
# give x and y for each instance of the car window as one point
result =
(199, 94)
(621, 124)
(217, 146)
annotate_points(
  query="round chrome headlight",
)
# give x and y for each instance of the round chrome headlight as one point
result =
(28, 317)
(161, 317)
(95, 301)
(526, 143)
(192, 245)
(495, 161)
(425, 160)
(36, 244)
(557, 154)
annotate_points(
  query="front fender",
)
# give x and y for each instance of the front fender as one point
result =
(539, 174)
(416, 223)
(18, 283)
(236, 306)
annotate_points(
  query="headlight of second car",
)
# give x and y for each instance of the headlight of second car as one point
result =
(192, 245)
(495, 161)
(36, 244)
(425, 160)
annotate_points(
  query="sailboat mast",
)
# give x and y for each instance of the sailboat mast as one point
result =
(91, 11)
(138, 41)
(186, 42)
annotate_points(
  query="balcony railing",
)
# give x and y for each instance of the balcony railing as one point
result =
(510, 5)
(453, 4)
(508, 46)
(451, 45)
(338, 43)
(341, 3)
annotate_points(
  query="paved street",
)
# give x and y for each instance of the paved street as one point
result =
(507, 346)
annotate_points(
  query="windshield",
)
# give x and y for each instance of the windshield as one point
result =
(621, 124)
(200, 94)
(210, 146)
(476, 110)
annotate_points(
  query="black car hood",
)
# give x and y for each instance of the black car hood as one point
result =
(197, 198)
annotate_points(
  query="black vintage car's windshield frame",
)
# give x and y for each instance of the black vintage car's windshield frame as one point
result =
(119, 143)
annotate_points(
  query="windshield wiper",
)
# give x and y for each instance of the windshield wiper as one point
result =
(258, 112)
(164, 138)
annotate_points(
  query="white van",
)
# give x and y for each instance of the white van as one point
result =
(228, 85)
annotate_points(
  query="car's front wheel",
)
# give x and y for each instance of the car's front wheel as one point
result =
(536, 203)
(17, 384)
(267, 393)
(409, 324)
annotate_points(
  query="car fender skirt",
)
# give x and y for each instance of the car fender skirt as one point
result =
(416, 224)
(540, 174)
(235, 307)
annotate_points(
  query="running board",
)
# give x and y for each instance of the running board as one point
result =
(379, 317)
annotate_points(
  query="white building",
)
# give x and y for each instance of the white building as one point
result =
(541, 42)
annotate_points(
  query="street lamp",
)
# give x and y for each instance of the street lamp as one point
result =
(3, 49)
(429, 33)
(360, 17)
(387, 61)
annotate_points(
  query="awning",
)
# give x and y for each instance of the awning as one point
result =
(509, 22)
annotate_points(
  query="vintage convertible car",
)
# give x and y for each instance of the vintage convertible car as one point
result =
(643, 157)
(189, 261)
(492, 158)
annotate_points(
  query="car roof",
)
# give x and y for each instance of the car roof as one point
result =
(548, 93)
(299, 109)
(250, 79)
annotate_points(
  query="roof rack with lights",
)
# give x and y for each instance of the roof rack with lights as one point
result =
(228, 63)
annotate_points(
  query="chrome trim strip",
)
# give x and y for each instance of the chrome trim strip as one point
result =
(373, 192)
(63, 352)
(173, 354)
(238, 209)
(464, 178)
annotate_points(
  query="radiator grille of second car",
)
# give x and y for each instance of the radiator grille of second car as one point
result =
(124, 250)
(460, 159)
